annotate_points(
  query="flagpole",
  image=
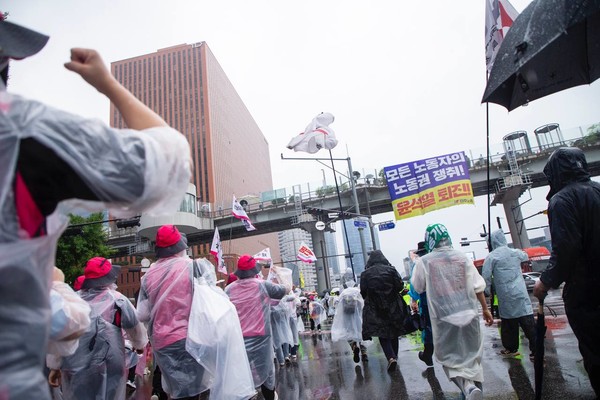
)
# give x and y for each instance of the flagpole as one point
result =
(337, 189)
(487, 123)
(230, 230)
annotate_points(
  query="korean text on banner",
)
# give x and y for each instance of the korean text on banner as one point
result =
(419, 187)
(306, 254)
(263, 255)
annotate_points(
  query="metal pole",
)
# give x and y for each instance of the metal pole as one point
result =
(487, 140)
(337, 188)
(360, 230)
(325, 265)
(370, 217)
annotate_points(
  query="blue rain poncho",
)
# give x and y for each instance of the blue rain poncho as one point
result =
(97, 369)
(502, 267)
(452, 281)
(129, 171)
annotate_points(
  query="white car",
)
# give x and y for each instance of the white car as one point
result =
(530, 279)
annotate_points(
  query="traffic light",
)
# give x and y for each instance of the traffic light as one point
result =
(72, 231)
(128, 223)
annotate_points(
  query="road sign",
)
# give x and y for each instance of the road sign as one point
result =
(360, 223)
(320, 225)
(386, 225)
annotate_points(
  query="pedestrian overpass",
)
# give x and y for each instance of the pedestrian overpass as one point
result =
(511, 172)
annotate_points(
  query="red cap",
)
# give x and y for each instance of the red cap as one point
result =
(231, 278)
(167, 235)
(169, 241)
(97, 267)
(78, 282)
(246, 263)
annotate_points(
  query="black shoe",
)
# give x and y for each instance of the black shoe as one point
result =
(356, 351)
(392, 363)
(427, 360)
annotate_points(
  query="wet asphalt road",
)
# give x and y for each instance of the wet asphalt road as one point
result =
(325, 370)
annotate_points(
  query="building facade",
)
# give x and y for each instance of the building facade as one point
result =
(355, 246)
(289, 243)
(187, 87)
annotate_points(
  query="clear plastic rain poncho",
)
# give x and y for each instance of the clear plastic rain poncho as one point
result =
(452, 281)
(317, 312)
(215, 340)
(280, 323)
(130, 171)
(98, 364)
(332, 304)
(503, 267)
(70, 315)
(292, 302)
(164, 303)
(251, 299)
(347, 322)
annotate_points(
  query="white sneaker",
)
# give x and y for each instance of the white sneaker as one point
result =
(472, 392)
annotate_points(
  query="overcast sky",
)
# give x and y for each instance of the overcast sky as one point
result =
(404, 79)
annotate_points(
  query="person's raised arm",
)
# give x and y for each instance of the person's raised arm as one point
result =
(91, 67)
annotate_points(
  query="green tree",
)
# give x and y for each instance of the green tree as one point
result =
(325, 191)
(76, 248)
(593, 133)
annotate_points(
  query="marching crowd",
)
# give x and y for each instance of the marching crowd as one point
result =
(199, 336)
(99, 321)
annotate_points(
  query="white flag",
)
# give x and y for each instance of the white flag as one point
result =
(239, 212)
(306, 254)
(217, 250)
(499, 17)
(263, 255)
(317, 135)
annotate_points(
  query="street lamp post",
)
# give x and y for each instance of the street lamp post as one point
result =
(357, 209)
(367, 199)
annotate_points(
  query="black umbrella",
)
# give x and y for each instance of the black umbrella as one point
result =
(538, 361)
(552, 45)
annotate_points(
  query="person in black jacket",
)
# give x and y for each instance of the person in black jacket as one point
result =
(384, 311)
(573, 217)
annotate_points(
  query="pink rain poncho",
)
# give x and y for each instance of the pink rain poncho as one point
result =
(251, 299)
(98, 365)
(164, 302)
(122, 170)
